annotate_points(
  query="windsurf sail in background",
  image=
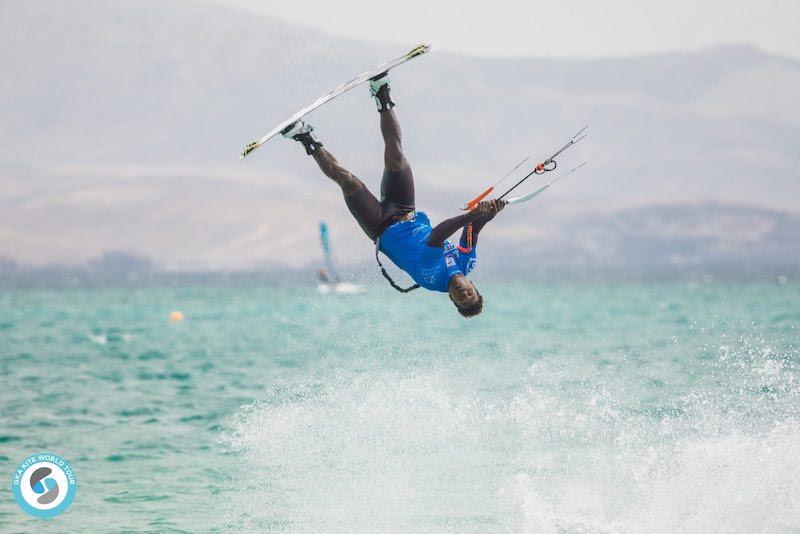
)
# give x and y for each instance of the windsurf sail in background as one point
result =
(329, 281)
(327, 253)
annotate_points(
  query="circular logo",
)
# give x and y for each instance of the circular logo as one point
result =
(44, 484)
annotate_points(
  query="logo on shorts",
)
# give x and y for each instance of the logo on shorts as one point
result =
(44, 485)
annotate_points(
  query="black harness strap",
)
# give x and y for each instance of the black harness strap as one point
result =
(386, 275)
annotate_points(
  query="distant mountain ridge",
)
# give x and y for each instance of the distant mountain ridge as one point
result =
(123, 122)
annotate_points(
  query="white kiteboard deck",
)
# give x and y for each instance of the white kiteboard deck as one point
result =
(361, 78)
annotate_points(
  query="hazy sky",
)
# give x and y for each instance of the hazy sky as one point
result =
(555, 28)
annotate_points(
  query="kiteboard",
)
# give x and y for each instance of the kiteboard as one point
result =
(358, 80)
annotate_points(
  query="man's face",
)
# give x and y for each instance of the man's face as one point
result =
(462, 291)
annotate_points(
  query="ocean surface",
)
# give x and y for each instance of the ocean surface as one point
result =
(583, 407)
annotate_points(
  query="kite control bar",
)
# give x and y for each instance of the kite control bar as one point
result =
(547, 165)
(536, 192)
(474, 202)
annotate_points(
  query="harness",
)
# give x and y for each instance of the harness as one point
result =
(386, 275)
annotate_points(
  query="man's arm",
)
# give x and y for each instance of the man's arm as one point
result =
(447, 228)
(479, 223)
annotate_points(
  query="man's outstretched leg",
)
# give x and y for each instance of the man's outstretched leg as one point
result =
(345, 179)
(365, 208)
(393, 157)
(304, 133)
(397, 186)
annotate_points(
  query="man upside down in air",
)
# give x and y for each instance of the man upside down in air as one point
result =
(404, 234)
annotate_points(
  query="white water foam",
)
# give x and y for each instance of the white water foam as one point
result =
(457, 448)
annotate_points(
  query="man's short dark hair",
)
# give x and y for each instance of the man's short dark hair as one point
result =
(473, 309)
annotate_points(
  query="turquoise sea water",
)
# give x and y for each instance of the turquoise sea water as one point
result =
(564, 408)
